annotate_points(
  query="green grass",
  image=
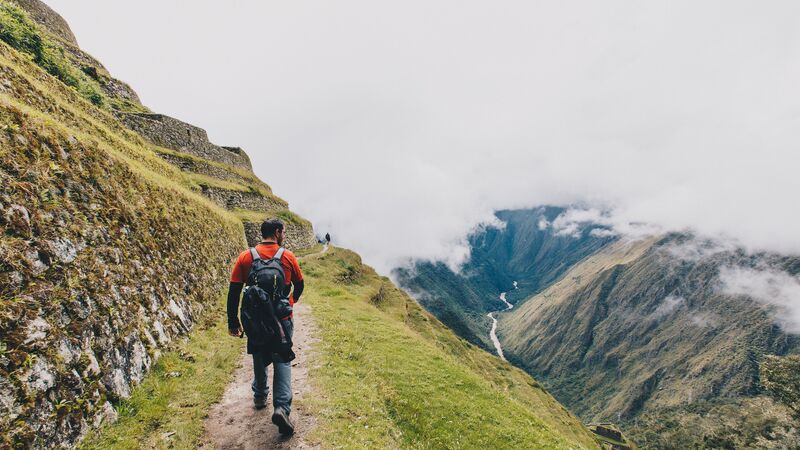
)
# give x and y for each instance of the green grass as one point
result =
(286, 216)
(164, 403)
(21, 33)
(245, 175)
(390, 375)
(206, 180)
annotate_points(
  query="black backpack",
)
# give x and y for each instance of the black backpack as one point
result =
(265, 304)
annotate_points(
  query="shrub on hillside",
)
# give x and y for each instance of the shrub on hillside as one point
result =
(780, 377)
(19, 31)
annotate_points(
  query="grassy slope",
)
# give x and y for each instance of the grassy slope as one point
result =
(388, 375)
(392, 375)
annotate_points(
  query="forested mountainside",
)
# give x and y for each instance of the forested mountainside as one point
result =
(524, 251)
(643, 332)
(102, 200)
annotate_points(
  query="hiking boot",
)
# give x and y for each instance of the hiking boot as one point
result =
(259, 402)
(281, 419)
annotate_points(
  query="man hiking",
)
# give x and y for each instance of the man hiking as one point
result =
(327, 238)
(268, 251)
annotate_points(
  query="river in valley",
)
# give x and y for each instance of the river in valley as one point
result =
(493, 332)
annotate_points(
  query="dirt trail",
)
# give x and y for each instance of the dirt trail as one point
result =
(234, 423)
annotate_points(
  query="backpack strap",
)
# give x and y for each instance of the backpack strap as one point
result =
(255, 254)
(279, 254)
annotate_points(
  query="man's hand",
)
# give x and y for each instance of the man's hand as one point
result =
(235, 332)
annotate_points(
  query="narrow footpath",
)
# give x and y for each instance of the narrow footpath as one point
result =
(234, 423)
(493, 331)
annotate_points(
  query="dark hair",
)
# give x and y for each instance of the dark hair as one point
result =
(270, 227)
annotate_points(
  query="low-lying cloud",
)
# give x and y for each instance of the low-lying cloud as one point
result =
(400, 126)
(668, 305)
(768, 286)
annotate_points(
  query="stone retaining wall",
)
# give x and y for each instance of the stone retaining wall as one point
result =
(92, 280)
(254, 201)
(174, 134)
(204, 168)
(297, 236)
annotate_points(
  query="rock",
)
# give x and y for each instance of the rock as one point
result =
(161, 334)
(153, 301)
(9, 408)
(41, 420)
(63, 317)
(18, 219)
(139, 361)
(179, 313)
(35, 262)
(105, 414)
(14, 280)
(151, 341)
(64, 250)
(81, 307)
(37, 330)
(93, 368)
(67, 352)
(39, 377)
(115, 380)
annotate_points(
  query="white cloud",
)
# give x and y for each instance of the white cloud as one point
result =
(669, 304)
(769, 286)
(400, 126)
(694, 250)
(704, 320)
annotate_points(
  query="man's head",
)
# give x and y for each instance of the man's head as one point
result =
(272, 229)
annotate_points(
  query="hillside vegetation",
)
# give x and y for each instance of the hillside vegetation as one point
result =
(522, 250)
(639, 334)
(393, 376)
(633, 332)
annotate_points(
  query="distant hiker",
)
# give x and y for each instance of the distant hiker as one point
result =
(327, 238)
(270, 272)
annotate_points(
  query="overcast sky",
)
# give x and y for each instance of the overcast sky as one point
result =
(399, 126)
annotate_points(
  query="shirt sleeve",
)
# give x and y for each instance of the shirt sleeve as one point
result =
(238, 274)
(297, 274)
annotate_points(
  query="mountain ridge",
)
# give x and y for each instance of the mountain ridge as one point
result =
(641, 332)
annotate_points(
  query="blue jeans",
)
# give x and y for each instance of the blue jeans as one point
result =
(281, 376)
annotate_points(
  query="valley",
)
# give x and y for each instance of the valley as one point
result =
(640, 332)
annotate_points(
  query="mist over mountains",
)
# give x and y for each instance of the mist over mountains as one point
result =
(429, 116)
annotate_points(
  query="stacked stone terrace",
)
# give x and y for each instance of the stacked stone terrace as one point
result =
(174, 134)
(185, 138)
